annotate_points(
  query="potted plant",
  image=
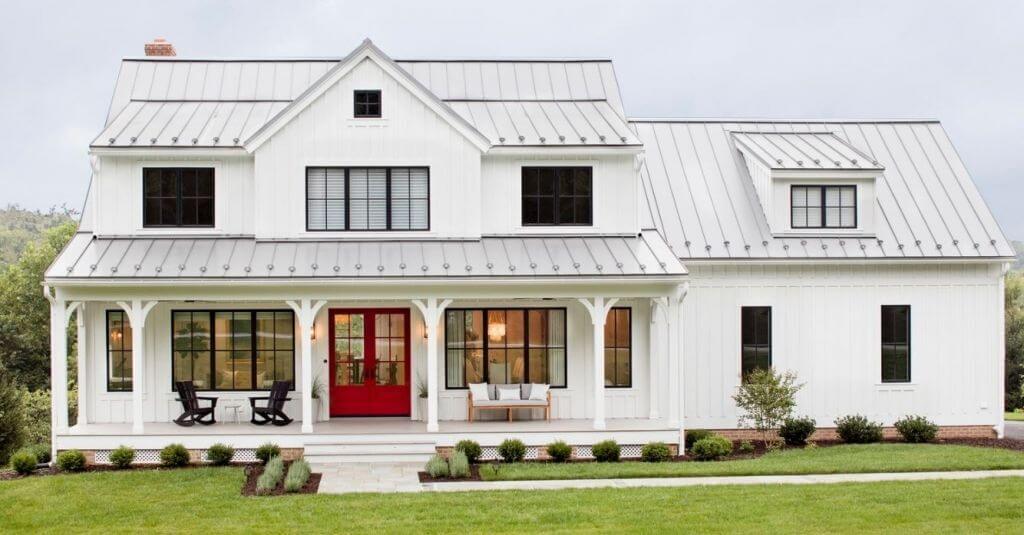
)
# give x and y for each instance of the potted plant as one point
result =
(421, 399)
(318, 398)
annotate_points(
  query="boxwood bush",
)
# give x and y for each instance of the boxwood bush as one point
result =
(712, 448)
(267, 451)
(512, 450)
(916, 429)
(655, 452)
(42, 452)
(606, 451)
(471, 448)
(857, 429)
(122, 457)
(796, 431)
(24, 461)
(71, 461)
(693, 435)
(220, 454)
(174, 456)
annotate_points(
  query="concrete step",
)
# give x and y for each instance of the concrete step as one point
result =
(327, 459)
(367, 448)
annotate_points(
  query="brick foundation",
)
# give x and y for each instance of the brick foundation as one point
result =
(542, 454)
(829, 433)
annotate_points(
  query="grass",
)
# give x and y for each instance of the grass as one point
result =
(836, 459)
(1014, 416)
(208, 500)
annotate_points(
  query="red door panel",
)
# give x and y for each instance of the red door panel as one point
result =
(369, 362)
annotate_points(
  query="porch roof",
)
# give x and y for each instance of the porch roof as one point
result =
(246, 258)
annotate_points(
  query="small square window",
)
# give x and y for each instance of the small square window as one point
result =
(367, 103)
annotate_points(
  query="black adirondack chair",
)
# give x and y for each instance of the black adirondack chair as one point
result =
(190, 403)
(273, 412)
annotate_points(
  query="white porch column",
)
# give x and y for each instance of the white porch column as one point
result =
(432, 310)
(60, 313)
(654, 356)
(675, 355)
(305, 312)
(137, 311)
(598, 314)
(83, 382)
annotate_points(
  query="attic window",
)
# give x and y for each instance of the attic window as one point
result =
(824, 206)
(367, 103)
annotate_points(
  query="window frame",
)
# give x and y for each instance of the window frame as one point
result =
(769, 344)
(555, 197)
(355, 103)
(882, 344)
(822, 188)
(526, 342)
(109, 351)
(178, 196)
(348, 198)
(629, 317)
(210, 312)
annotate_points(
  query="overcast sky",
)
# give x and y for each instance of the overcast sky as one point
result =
(961, 62)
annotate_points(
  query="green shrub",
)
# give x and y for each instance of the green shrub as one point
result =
(559, 451)
(42, 452)
(693, 435)
(712, 448)
(512, 450)
(122, 457)
(24, 461)
(271, 476)
(71, 461)
(267, 451)
(916, 429)
(437, 466)
(606, 451)
(298, 475)
(220, 454)
(458, 465)
(655, 452)
(857, 429)
(13, 421)
(471, 448)
(174, 456)
(796, 431)
(746, 447)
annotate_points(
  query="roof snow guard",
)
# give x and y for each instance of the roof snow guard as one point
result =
(168, 258)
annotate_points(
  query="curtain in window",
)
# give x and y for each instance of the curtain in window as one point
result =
(521, 345)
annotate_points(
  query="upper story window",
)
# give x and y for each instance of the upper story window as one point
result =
(558, 196)
(361, 198)
(177, 197)
(367, 103)
(824, 206)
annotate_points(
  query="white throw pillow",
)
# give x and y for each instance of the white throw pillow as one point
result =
(508, 393)
(538, 392)
(479, 391)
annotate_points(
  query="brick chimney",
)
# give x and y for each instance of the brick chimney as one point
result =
(160, 47)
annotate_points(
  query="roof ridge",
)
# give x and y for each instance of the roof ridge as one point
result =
(778, 120)
(333, 59)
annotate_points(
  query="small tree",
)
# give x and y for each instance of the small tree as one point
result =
(767, 399)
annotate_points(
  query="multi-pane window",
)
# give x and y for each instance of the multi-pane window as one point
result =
(119, 352)
(233, 350)
(824, 206)
(756, 339)
(895, 343)
(177, 197)
(505, 346)
(618, 348)
(557, 196)
(367, 198)
(367, 103)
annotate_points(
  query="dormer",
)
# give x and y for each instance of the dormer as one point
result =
(811, 183)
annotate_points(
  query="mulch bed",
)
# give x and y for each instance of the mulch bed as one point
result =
(52, 471)
(474, 475)
(253, 471)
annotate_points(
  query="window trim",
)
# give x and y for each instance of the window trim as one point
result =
(629, 311)
(526, 342)
(771, 337)
(348, 197)
(213, 345)
(177, 193)
(355, 103)
(108, 351)
(822, 188)
(556, 195)
(882, 344)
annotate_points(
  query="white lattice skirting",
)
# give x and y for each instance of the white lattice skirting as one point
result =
(628, 451)
(242, 455)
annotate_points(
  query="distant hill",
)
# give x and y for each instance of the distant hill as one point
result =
(19, 227)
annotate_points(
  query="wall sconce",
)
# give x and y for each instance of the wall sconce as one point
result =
(496, 331)
(426, 334)
(312, 332)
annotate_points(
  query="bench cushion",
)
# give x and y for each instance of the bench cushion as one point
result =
(510, 403)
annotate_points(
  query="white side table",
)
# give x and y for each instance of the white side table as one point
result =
(235, 408)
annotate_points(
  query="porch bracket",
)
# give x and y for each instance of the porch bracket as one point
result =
(137, 311)
(598, 308)
(305, 311)
(432, 310)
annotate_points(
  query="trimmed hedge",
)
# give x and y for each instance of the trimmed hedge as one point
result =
(796, 431)
(471, 448)
(24, 461)
(606, 451)
(857, 429)
(693, 435)
(559, 451)
(174, 456)
(916, 429)
(512, 450)
(122, 457)
(267, 451)
(655, 452)
(220, 454)
(712, 448)
(71, 461)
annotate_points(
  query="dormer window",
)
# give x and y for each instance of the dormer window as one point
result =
(367, 104)
(816, 207)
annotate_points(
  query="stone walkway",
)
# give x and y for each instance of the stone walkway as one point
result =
(402, 477)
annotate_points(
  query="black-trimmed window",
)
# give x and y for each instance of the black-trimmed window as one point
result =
(367, 198)
(367, 103)
(177, 197)
(618, 348)
(895, 343)
(554, 196)
(756, 339)
(506, 345)
(119, 352)
(823, 206)
(232, 349)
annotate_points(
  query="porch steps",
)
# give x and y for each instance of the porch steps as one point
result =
(363, 451)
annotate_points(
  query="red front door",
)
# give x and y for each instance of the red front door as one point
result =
(370, 362)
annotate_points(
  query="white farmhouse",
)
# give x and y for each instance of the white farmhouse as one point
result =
(401, 254)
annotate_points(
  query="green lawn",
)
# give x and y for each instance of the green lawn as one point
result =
(208, 500)
(1014, 416)
(830, 460)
